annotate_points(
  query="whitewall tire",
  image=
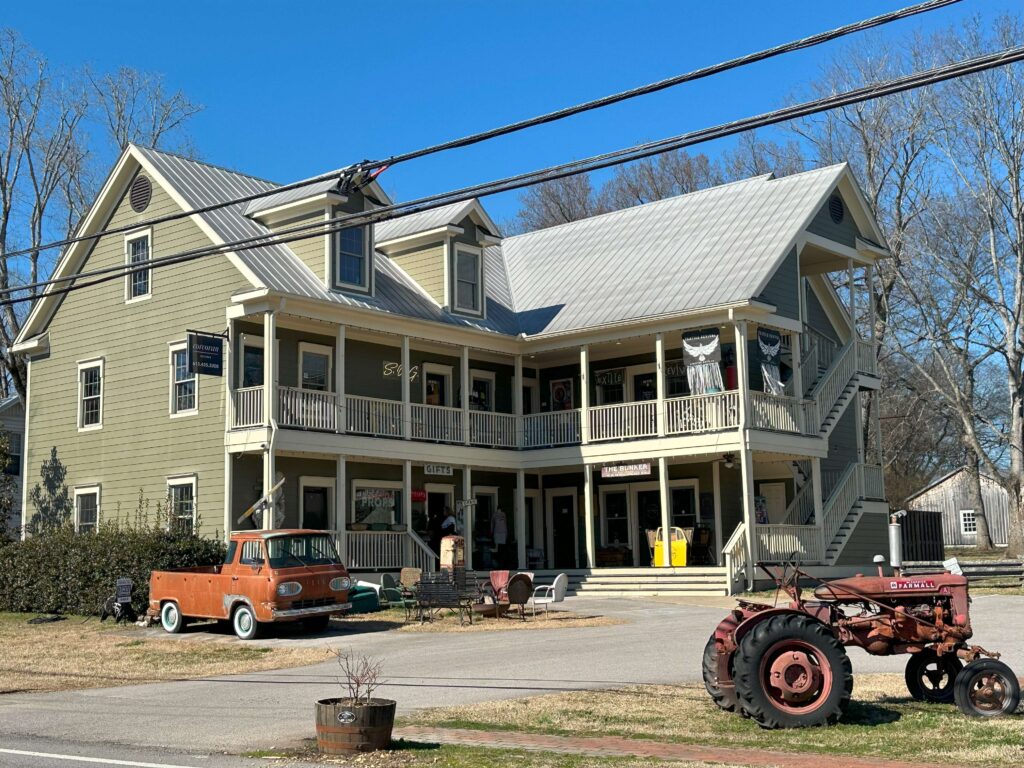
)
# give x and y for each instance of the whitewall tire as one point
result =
(171, 619)
(244, 622)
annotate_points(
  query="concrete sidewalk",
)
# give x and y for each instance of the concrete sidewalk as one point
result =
(661, 642)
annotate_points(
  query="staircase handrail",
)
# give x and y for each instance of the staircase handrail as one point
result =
(838, 505)
(827, 391)
(801, 509)
(735, 551)
(427, 556)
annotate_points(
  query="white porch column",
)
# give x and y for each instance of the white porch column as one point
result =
(467, 514)
(666, 512)
(464, 375)
(407, 507)
(749, 519)
(798, 375)
(230, 378)
(228, 496)
(743, 375)
(584, 394)
(588, 515)
(869, 279)
(817, 492)
(517, 402)
(659, 370)
(716, 487)
(853, 296)
(339, 379)
(406, 404)
(341, 507)
(520, 518)
(269, 369)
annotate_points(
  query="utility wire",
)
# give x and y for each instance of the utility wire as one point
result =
(618, 157)
(375, 167)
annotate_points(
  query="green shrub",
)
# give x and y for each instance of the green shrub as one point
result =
(61, 571)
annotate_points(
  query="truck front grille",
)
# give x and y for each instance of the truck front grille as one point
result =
(316, 603)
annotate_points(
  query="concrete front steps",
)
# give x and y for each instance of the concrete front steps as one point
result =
(641, 582)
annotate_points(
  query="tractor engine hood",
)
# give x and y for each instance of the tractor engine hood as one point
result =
(890, 587)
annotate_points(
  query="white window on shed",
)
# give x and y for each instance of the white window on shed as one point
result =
(968, 522)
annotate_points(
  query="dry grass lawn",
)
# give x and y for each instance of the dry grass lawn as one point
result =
(445, 621)
(83, 653)
(882, 721)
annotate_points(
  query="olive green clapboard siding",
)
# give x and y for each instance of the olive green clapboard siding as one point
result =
(139, 445)
(869, 538)
(311, 250)
(426, 267)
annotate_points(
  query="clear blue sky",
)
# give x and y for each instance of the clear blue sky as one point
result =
(294, 89)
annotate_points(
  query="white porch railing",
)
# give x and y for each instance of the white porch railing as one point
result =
(867, 360)
(782, 542)
(735, 551)
(801, 509)
(873, 482)
(423, 557)
(703, 413)
(248, 406)
(551, 428)
(828, 391)
(777, 413)
(373, 416)
(437, 423)
(839, 504)
(494, 430)
(388, 550)
(307, 409)
(624, 420)
(809, 371)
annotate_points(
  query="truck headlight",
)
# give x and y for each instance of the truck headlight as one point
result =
(288, 589)
(341, 584)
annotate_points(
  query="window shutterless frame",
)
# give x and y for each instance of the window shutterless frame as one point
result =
(90, 394)
(468, 279)
(310, 374)
(87, 507)
(183, 399)
(182, 494)
(352, 259)
(968, 522)
(138, 247)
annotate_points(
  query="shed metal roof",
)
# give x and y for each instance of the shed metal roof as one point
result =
(424, 221)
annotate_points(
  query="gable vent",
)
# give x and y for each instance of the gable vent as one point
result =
(836, 209)
(140, 194)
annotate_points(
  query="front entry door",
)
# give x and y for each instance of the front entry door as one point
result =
(315, 509)
(563, 531)
(648, 516)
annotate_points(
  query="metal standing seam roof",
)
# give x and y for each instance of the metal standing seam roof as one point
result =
(291, 195)
(708, 248)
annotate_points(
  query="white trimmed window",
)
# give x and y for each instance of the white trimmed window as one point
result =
(468, 280)
(184, 389)
(87, 508)
(13, 454)
(352, 258)
(315, 366)
(376, 502)
(90, 395)
(181, 501)
(138, 284)
(481, 390)
(968, 522)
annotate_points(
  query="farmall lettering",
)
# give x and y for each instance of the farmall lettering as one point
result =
(912, 584)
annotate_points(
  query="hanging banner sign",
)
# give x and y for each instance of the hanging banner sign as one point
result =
(610, 378)
(438, 469)
(769, 341)
(701, 347)
(205, 354)
(637, 469)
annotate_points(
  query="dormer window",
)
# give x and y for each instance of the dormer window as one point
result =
(352, 259)
(468, 280)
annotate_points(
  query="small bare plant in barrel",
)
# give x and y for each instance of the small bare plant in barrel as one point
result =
(357, 722)
(360, 675)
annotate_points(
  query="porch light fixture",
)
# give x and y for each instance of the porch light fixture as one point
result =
(728, 460)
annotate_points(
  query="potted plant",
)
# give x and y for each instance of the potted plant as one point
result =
(358, 722)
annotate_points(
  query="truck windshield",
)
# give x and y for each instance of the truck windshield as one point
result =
(308, 549)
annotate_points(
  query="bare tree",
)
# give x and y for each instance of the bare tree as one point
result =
(557, 202)
(656, 178)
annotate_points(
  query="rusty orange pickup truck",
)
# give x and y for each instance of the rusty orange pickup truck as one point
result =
(267, 576)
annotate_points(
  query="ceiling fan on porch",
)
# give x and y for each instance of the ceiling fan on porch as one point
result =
(728, 460)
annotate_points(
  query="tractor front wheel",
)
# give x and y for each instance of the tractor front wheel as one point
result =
(792, 672)
(725, 699)
(987, 688)
(930, 677)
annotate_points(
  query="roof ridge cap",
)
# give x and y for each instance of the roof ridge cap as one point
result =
(223, 168)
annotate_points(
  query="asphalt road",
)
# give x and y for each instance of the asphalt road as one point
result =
(660, 642)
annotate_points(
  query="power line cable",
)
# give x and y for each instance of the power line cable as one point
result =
(375, 167)
(617, 157)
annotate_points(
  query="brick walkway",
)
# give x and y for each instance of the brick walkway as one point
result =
(617, 746)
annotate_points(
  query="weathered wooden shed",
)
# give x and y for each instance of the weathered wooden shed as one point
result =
(948, 495)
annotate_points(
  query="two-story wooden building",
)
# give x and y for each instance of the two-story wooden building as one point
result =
(682, 363)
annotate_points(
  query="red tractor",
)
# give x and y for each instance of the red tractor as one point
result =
(785, 666)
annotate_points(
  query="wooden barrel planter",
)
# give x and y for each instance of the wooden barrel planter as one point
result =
(343, 728)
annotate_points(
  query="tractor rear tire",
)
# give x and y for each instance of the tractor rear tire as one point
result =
(792, 672)
(987, 688)
(930, 677)
(725, 700)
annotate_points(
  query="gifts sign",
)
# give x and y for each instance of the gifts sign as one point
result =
(702, 353)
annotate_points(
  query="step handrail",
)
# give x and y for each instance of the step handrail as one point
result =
(736, 556)
(427, 556)
(796, 512)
